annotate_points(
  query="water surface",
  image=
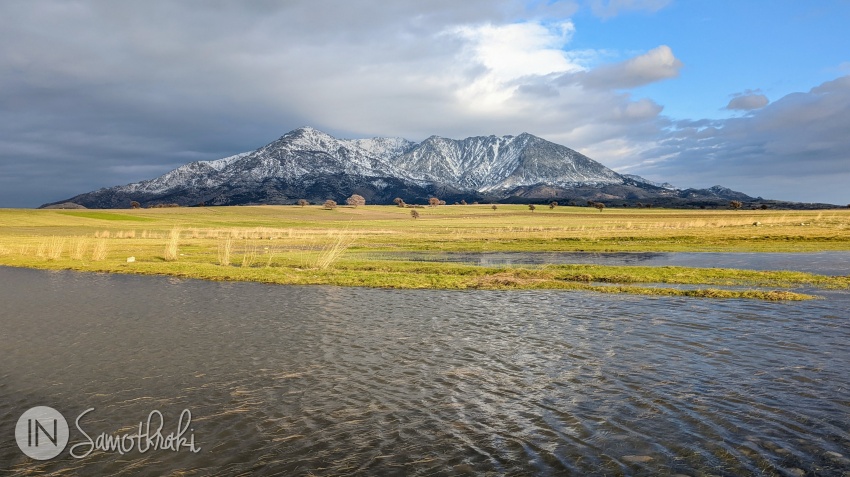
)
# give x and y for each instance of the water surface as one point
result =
(317, 380)
(823, 263)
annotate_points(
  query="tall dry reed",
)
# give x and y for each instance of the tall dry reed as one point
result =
(249, 255)
(225, 248)
(332, 252)
(99, 251)
(78, 247)
(171, 246)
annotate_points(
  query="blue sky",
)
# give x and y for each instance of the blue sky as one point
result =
(727, 47)
(752, 95)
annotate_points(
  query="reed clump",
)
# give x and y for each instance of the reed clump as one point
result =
(330, 253)
(99, 251)
(225, 249)
(249, 255)
(172, 245)
(78, 248)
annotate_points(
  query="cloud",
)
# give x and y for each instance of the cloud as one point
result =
(794, 148)
(747, 102)
(95, 94)
(655, 65)
(612, 8)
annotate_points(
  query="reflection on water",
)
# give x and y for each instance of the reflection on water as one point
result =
(824, 263)
(329, 381)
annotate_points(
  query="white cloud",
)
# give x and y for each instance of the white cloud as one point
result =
(508, 53)
(747, 102)
(655, 65)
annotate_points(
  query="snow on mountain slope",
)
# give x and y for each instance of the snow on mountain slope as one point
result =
(484, 163)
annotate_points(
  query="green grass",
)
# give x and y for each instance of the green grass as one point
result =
(107, 216)
(310, 245)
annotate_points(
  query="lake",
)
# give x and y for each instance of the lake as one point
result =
(284, 380)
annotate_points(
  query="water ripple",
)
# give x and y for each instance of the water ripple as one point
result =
(343, 381)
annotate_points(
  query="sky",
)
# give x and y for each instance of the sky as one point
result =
(752, 95)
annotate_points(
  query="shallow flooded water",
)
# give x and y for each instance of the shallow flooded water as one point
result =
(285, 380)
(824, 263)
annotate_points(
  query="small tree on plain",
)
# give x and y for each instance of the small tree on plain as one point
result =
(494, 207)
(531, 207)
(329, 204)
(553, 204)
(355, 200)
(735, 204)
(764, 207)
(135, 205)
(302, 202)
(414, 214)
(599, 205)
(462, 202)
(433, 201)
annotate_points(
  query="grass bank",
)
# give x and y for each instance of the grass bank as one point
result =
(310, 245)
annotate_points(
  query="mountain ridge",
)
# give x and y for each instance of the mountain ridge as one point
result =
(306, 163)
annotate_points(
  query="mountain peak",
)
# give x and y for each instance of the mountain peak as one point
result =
(311, 164)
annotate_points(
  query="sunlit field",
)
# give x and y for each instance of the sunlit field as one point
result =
(312, 245)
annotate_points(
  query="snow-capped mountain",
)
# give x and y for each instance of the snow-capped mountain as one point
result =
(309, 164)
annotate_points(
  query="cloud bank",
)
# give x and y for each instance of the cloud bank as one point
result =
(797, 143)
(98, 93)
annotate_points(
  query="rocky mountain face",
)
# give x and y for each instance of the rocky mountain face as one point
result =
(309, 164)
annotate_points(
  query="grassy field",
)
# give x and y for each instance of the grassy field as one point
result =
(310, 245)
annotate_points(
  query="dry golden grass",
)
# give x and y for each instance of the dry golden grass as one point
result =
(100, 251)
(299, 245)
(225, 249)
(171, 246)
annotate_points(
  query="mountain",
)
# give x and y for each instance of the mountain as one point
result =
(308, 164)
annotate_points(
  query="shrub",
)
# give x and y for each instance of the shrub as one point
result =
(355, 200)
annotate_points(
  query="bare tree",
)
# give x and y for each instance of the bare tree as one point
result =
(302, 202)
(329, 204)
(735, 204)
(355, 200)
